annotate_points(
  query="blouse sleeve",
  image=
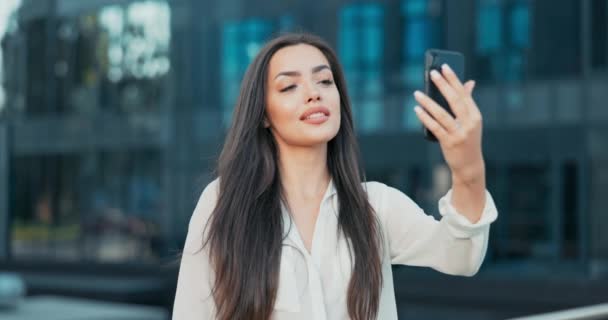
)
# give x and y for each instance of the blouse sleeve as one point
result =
(193, 299)
(452, 245)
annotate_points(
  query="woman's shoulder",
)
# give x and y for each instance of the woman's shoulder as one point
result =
(379, 189)
(212, 189)
(374, 188)
(375, 193)
(200, 217)
(381, 195)
(209, 196)
(206, 203)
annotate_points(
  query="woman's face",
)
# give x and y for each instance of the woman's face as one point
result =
(303, 102)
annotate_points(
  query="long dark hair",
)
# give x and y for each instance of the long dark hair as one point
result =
(245, 232)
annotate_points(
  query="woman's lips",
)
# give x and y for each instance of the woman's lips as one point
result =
(316, 115)
(316, 118)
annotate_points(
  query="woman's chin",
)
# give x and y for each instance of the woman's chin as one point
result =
(322, 133)
(310, 137)
(318, 139)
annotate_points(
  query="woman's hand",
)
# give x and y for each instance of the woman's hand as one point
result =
(460, 140)
(460, 137)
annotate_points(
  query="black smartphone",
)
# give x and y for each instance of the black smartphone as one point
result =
(433, 60)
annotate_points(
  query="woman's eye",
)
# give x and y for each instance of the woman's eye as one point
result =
(288, 88)
(327, 82)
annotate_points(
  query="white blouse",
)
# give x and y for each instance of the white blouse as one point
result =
(314, 286)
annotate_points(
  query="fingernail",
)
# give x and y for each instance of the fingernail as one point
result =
(417, 109)
(434, 74)
(417, 94)
(472, 84)
(446, 67)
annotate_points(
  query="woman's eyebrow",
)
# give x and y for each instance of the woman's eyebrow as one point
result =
(319, 68)
(297, 73)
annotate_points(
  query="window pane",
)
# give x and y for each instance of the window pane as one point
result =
(101, 206)
(8, 59)
(570, 205)
(115, 59)
(599, 33)
(520, 25)
(489, 27)
(361, 48)
(499, 60)
(418, 36)
(527, 233)
(241, 41)
(421, 27)
(551, 57)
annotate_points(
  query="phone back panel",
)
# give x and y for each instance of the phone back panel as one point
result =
(434, 59)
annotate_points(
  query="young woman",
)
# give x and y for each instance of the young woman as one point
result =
(290, 229)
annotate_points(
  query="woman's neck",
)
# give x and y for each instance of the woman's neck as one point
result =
(304, 172)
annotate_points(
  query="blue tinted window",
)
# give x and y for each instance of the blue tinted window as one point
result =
(361, 50)
(489, 27)
(414, 7)
(241, 41)
(503, 32)
(417, 39)
(520, 24)
(421, 28)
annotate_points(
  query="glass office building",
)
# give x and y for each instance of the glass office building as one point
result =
(115, 111)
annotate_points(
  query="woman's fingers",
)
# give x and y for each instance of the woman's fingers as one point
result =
(466, 92)
(454, 96)
(452, 79)
(431, 124)
(440, 115)
(469, 86)
(474, 112)
(460, 99)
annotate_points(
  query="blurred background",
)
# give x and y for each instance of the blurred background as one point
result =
(112, 113)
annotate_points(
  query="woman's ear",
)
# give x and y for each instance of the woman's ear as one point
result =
(266, 123)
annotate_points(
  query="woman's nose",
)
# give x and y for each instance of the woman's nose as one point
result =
(313, 94)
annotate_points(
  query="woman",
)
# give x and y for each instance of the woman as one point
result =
(289, 230)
